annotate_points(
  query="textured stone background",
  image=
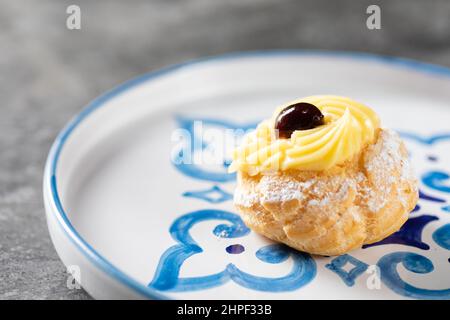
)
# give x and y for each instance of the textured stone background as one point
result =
(47, 73)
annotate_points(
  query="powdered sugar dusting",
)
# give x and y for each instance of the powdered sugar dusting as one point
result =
(385, 158)
(407, 173)
(341, 184)
(276, 189)
(244, 199)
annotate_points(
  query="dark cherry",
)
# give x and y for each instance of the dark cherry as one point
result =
(298, 116)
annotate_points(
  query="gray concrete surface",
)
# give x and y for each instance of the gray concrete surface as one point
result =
(47, 74)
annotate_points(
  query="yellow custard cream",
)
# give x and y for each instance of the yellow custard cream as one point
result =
(347, 127)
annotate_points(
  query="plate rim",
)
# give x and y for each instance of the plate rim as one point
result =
(50, 180)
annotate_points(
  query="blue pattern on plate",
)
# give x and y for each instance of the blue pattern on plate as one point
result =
(436, 179)
(349, 277)
(235, 249)
(274, 253)
(167, 276)
(410, 234)
(442, 236)
(424, 196)
(195, 144)
(414, 263)
(215, 194)
(425, 140)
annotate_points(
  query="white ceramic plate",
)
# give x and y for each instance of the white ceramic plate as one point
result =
(132, 224)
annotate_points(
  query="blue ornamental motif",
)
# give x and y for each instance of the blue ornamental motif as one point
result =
(414, 263)
(424, 196)
(214, 194)
(442, 236)
(437, 180)
(349, 277)
(195, 144)
(167, 276)
(410, 234)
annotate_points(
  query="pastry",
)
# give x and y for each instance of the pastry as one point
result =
(323, 176)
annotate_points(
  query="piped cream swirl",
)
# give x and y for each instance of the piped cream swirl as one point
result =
(348, 127)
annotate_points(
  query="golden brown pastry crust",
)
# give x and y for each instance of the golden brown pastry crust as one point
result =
(335, 211)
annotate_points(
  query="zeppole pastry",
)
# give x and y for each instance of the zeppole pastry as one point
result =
(323, 177)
